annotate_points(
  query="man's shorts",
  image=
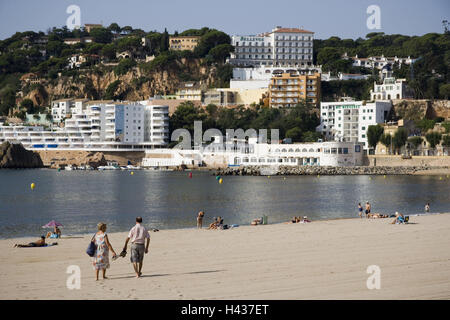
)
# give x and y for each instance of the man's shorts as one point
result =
(137, 252)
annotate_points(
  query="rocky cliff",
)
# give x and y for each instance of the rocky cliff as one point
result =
(419, 109)
(15, 156)
(137, 84)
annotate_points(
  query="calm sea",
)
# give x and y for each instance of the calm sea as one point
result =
(81, 199)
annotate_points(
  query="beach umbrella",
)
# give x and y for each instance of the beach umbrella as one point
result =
(52, 224)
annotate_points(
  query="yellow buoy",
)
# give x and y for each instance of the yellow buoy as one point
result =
(220, 180)
(132, 172)
(318, 176)
(440, 178)
(268, 176)
(32, 186)
(384, 176)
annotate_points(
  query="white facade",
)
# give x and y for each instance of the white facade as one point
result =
(259, 77)
(281, 47)
(378, 62)
(390, 89)
(61, 108)
(114, 126)
(261, 154)
(348, 121)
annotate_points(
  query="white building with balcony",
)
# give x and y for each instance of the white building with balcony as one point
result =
(348, 121)
(107, 127)
(252, 153)
(391, 89)
(280, 47)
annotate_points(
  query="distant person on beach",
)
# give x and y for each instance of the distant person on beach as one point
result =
(138, 236)
(257, 221)
(399, 218)
(360, 210)
(305, 220)
(55, 234)
(377, 215)
(200, 216)
(217, 224)
(368, 208)
(37, 243)
(427, 207)
(100, 261)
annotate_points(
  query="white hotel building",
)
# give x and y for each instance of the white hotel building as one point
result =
(348, 121)
(282, 47)
(102, 127)
(260, 154)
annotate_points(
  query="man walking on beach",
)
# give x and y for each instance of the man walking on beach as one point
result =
(138, 234)
(368, 207)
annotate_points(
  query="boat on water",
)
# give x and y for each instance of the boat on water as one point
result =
(69, 167)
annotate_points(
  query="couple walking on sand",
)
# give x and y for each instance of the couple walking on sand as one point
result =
(138, 235)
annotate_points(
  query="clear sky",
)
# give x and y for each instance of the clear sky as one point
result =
(342, 18)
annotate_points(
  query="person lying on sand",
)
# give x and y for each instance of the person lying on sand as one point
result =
(305, 220)
(257, 221)
(37, 243)
(377, 215)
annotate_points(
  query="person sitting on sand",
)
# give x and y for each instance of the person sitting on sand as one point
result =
(257, 221)
(305, 220)
(214, 224)
(399, 218)
(37, 243)
(200, 219)
(55, 234)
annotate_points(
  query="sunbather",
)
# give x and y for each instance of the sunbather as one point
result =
(377, 215)
(257, 221)
(37, 243)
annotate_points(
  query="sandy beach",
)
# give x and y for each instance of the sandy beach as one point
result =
(319, 260)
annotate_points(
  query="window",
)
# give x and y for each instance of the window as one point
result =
(345, 150)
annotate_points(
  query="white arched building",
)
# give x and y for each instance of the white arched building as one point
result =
(262, 154)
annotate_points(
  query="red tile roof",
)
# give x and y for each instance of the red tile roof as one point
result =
(292, 30)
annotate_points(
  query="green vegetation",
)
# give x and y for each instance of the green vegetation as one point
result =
(298, 123)
(425, 124)
(415, 141)
(374, 134)
(433, 138)
(386, 139)
(124, 66)
(399, 139)
(429, 76)
(446, 141)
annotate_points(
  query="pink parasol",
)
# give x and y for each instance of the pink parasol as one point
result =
(52, 224)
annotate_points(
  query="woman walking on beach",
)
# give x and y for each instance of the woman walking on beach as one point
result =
(100, 261)
(360, 210)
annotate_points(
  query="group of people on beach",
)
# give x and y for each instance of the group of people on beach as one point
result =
(55, 234)
(399, 218)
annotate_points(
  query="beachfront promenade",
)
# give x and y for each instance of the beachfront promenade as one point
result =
(319, 260)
